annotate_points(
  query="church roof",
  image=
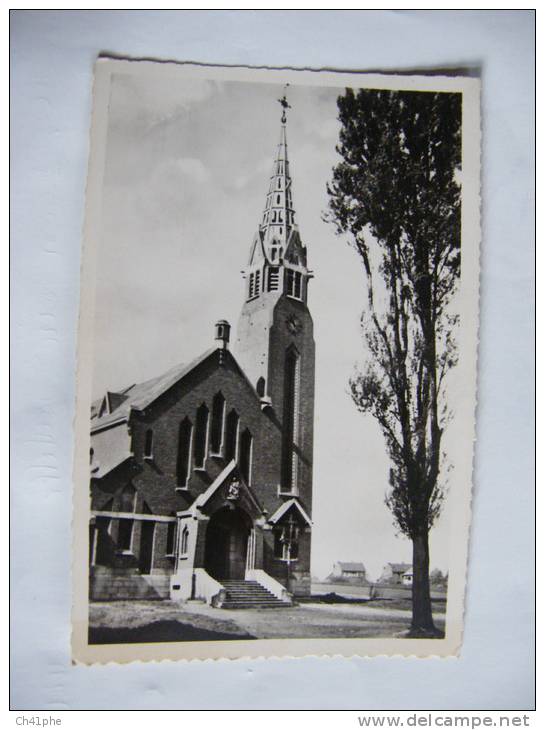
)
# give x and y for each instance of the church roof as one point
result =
(140, 395)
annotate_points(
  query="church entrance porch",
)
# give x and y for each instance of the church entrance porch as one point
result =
(227, 544)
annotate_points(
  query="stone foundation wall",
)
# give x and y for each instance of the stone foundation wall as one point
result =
(124, 585)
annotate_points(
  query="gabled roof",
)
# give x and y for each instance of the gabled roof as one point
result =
(399, 567)
(295, 251)
(203, 498)
(283, 509)
(354, 567)
(139, 396)
(230, 470)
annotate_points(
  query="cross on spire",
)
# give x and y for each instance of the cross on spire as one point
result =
(284, 104)
(279, 216)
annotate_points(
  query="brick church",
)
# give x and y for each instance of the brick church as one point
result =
(201, 478)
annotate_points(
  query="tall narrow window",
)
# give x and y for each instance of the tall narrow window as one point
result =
(184, 541)
(127, 502)
(231, 436)
(260, 387)
(201, 436)
(184, 453)
(251, 286)
(273, 275)
(171, 538)
(257, 283)
(148, 445)
(289, 282)
(101, 547)
(124, 535)
(297, 285)
(216, 434)
(245, 461)
(290, 421)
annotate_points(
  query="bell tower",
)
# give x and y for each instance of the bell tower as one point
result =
(275, 345)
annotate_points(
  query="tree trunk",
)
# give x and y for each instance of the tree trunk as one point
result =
(422, 623)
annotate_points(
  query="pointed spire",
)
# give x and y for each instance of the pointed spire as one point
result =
(279, 216)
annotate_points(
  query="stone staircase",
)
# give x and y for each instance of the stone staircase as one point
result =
(249, 594)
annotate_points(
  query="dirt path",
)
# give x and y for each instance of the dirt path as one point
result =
(155, 621)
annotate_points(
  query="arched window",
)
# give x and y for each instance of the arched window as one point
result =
(148, 445)
(231, 436)
(245, 461)
(184, 453)
(184, 541)
(216, 434)
(201, 436)
(171, 538)
(278, 199)
(260, 387)
(290, 421)
(127, 501)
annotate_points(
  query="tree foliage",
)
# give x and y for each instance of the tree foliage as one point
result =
(396, 192)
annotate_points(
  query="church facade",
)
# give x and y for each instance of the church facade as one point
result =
(201, 479)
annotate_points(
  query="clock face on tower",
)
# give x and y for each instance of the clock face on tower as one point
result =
(293, 325)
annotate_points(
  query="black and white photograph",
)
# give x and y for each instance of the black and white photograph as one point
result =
(276, 363)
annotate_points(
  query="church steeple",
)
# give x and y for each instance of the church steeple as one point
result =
(275, 343)
(275, 326)
(278, 260)
(279, 215)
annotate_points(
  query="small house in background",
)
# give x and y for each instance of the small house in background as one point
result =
(407, 577)
(348, 571)
(392, 574)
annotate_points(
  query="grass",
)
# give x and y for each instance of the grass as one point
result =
(402, 604)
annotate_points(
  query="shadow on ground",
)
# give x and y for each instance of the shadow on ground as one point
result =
(159, 631)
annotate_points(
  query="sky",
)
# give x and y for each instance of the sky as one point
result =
(186, 174)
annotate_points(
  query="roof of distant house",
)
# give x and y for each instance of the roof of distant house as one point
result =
(400, 567)
(352, 567)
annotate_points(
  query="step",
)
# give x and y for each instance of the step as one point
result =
(249, 594)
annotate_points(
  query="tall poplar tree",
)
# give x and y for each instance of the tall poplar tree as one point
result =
(396, 194)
